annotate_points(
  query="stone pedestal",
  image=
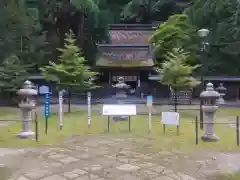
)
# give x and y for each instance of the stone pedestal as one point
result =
(209, 108)
(121, 87)
(26, 105)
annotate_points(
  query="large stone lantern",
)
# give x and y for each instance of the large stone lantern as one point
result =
(26, 105)
(222, 91)
(209, 97)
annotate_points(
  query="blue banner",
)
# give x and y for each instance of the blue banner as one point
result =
(47, 106)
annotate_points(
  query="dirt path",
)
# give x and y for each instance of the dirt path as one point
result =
(113, 158)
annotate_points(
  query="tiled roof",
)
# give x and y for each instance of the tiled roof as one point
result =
(131, 53)
(130, 36)
(105, 62)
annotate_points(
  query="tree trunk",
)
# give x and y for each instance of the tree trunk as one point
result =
(69, 99)
(175, 99)
(80, 31)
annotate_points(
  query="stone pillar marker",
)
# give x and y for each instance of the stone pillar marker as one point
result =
(222, 91)
(210, 97)
(26, 105)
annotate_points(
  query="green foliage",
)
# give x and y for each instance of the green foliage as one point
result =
(20, 35)
(222, 18)
(176, 32)
(176, 72)
(12, 74)
(71, 70)
(138, 10)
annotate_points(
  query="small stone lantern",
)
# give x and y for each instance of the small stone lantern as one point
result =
(26, 105)
(209, 97)
(222, 91)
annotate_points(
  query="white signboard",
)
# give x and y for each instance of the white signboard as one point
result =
(170, 118)
(89, 108)
(43, 89)
(119, 109)
(60, 109)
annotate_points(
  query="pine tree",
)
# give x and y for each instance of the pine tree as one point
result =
(177, 73)
(70, 70)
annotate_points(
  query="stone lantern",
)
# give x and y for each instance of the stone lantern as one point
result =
(222, 91)
(209, 97)
(26, 105)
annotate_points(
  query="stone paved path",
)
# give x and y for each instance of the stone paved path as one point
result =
(99, 158)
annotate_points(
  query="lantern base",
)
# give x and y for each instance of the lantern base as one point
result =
(211, 138)
(26, 135)
(221, 101)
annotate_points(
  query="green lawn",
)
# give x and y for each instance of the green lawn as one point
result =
(76, 124)
(235, 176)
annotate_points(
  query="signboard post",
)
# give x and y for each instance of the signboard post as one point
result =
(149, 105)
(60, 108)
(46, 110)
(89, 108)
(170, 118)
(119, 110)
(45, 90)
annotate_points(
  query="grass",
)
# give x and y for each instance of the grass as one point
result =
(76, 124)
(234, 176)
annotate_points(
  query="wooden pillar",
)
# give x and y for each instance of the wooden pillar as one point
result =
(138, 80)
(110, 78)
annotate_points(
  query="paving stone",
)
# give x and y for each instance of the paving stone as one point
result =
(68, 160)
(185, 176)
(105, 142)
(110, 173)
(83, 156)
(165, 153)
(145, 164)
(70, 175)
(57, 156)
(110, 157)
(145, 157)
(174, 176)
(128, 167)
(37, 173)
(158, 169)
(167, 171)
(163, 178)
(147, 174)
(79, 172)
(95, 167)
(124, 160)
(128, 177)
(22, 178)
(88, 177)
(54, 177)
(91, 144)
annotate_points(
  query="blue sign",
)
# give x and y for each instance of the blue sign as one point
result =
(149, 98)
(47, 105)
(149, 101)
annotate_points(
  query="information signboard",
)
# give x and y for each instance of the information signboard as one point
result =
(170, 118)
(119, 110)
